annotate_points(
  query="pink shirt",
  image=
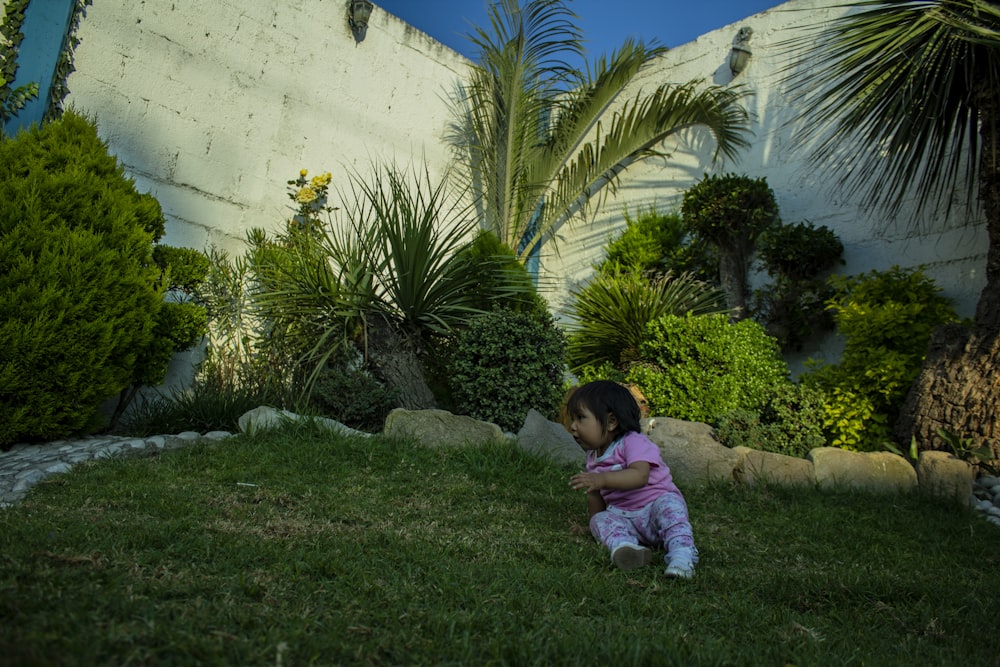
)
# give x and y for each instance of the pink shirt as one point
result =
(619, 455)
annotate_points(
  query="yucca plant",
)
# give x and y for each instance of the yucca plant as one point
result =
(609, 315)
(385, 277)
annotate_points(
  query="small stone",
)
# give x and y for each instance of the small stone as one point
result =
(27, 479)
(995, 520)
(58, 468)
(988, 481)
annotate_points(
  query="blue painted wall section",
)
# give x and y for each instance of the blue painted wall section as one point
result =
(46, 23)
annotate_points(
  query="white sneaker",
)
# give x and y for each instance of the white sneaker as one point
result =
(681, 563)
(675, 571)
(630, 556)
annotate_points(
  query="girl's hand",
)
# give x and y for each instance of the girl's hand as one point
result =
(587, 481)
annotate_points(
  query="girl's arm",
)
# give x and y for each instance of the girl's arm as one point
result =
(633, 477)
(595, 503)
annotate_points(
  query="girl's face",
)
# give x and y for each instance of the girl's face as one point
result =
(588, 432)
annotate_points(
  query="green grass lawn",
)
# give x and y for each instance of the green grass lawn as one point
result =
(300, 548)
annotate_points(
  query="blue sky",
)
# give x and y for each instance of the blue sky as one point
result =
(605, 23)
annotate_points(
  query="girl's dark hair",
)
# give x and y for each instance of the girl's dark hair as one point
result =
(604, 397)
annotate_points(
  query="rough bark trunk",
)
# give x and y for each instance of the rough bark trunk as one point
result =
(395, 361)
(733, 276)
(956, 390)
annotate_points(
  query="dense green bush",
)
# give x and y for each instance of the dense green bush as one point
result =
(506, 363)
(78, 288)
(699, 368)
(886, 319)
(731, 211)
(655, 243)
(499, 270)
(790, 423)
(183, 268)
(352, 397)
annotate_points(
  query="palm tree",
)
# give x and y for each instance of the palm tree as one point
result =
(533, 137)
(919, 79)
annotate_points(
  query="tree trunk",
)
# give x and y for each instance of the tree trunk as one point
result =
(733, 277)
(955, 392)
(395, 361)
(957, 387)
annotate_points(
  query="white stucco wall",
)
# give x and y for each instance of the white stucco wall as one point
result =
(955, 258)
(213, 106)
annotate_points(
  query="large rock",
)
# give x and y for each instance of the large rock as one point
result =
(877, 472)
(265, 417)
(691, 451)
(755, 466)
(945, 476)
(541, 436)
(440, 428)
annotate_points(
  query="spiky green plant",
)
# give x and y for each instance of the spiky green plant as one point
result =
(385, 276)
(610, 315)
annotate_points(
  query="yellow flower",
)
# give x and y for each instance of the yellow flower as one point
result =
(303, 173)
(305, 195)
(318, 182)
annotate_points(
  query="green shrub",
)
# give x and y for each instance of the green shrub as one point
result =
(185, 268)
(499, 271)
(790, 423)
(699, 368)
(506, 363)
(799, 252)
(886, 319)
(352, 397)
(78, 288)
(731, 211)
(656, 243)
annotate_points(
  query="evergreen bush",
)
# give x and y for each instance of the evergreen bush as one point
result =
(353, 398)
(506, 363)
(78, 287)
(699, 368)
(790, 423)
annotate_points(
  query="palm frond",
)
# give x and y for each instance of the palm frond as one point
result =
(529, 127)
(903, 77)
(569, 183)
(609, 316)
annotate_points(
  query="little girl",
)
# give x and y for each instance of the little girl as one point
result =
(632, 499)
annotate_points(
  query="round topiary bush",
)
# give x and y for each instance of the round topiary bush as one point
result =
(504, 364)
(78, 286)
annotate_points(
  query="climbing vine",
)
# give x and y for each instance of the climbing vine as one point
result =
(12, 99)
(64, 66)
